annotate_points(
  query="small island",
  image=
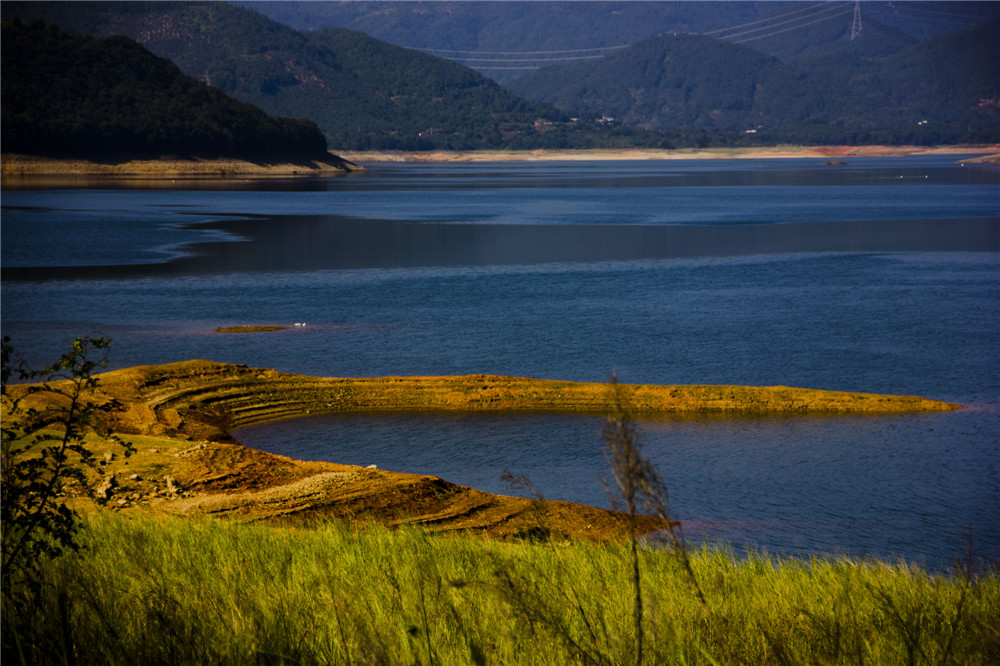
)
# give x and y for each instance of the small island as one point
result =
(249, 329)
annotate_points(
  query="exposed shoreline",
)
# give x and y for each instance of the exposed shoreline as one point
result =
(988, 152)
(34, 171)
(16, 167)
(206, 400)
(179, 417)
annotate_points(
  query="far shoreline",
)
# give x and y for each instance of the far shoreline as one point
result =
(36, 171)
(987, 153)
(17, 168)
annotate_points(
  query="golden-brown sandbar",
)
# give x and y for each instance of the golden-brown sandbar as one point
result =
(180, 417)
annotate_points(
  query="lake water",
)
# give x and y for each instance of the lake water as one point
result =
(881, 275)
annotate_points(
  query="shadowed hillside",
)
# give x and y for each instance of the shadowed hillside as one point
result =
(73, 95)
(363, 93)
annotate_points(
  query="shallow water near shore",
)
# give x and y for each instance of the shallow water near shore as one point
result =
(882, 275)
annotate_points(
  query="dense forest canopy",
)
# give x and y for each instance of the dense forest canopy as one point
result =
(818, 84)
(73, 95)
(363, 93)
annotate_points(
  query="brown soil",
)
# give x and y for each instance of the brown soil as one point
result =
(179, 417)
(985, 159)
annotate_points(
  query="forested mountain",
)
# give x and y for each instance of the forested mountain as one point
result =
(363, 93)
(946, 89)
(818, 81)
(673, 81)
(505, 40)
(73, 95)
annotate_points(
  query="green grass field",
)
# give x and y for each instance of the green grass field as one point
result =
(149, 590)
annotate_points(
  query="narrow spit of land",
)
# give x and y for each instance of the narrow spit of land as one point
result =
(180, 415)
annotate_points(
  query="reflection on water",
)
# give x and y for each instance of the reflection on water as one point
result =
(307, 243)
(876, 486)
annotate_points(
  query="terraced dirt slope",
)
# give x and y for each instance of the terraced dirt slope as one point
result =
(179, 416)
(207, 400)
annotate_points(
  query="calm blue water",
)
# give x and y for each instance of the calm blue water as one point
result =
(882, 275)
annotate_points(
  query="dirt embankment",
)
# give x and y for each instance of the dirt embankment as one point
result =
(15, 167)
(180, 415)
(819, 152)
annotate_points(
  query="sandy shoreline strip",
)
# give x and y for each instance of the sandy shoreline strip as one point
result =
(32, 170)
(15, 166)
(772, 152)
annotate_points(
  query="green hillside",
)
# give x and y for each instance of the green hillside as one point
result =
(73, 95)
(672, 89)
(363, 94)
(951, 81)
(671, 81)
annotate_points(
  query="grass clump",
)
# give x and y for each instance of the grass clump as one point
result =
(158, 590)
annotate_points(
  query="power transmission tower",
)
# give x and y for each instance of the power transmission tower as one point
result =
(856, 24)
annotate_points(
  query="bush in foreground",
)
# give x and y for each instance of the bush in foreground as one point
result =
(164, 590)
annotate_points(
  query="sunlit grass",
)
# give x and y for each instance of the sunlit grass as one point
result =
(158, 590)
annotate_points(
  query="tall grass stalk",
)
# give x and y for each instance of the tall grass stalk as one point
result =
(157, 590)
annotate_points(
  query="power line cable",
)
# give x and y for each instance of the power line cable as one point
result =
(845, 11)
(834, 9)
(593, 57)
(763, 20)
(474, 52)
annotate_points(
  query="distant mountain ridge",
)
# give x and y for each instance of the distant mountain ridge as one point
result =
(505, 40)
(662, 91)
(946, 89)
(76, 96)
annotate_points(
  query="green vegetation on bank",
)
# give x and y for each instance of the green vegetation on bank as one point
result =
(74, 96)
(156, 590)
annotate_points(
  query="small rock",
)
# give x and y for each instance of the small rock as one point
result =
(122, 502)
(104, 489)
(108, 456)
(135, 477)
(372, 466)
